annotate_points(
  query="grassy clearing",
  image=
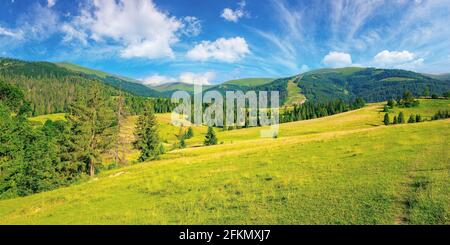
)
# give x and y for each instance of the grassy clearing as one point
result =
(53, 117)
(343, 169)
(250, 81)
(295, 95)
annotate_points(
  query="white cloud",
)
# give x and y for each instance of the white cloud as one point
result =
(228, 50)
(234, 15)
(304, 69)
(51, 3)
(70, 34)
(191, 26)
(138, 26)
(185, 77)
(390, 58)
(337, 59)
(197, 78)
(10, 33)
(155, 80)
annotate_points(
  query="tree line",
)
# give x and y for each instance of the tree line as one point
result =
(311, 110)
(41, 158)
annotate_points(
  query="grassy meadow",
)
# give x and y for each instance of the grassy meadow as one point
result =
(343, 169)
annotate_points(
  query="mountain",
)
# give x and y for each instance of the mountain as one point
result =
(168, 89)
(250, 81)
(348, 83)
(238, 84)
(124, 83)
(371, 84)
(443, 77)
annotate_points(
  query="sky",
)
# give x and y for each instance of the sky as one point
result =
(211, 41)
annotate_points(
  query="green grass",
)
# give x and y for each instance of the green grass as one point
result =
(342, 169)
(53, 117)
(250, 81)
(426, 108)
(396, 79)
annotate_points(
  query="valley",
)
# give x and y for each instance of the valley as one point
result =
(342, 169)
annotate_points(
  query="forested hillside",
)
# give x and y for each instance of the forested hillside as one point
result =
(50, 88)
(119, 82)
(371, 84)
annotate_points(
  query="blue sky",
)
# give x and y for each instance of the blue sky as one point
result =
(211, 41)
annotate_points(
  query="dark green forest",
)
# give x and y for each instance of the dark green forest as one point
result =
(373, 85)
(51, 89)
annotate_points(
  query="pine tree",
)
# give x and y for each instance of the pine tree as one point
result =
(190, 133)
(401, 118)
(418, 118)
(93, 129)
(120, 114)
(210, 138)
(395, 121)
(386, 119)
(412, 119)
(391, 103)
(147, 138)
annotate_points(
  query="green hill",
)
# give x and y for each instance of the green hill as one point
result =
(130, 85)
(168, 89)
(443, 77)
(248, 82)
(369, 83)
(48, 87)
(343, 169)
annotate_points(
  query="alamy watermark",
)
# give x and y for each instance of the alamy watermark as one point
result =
(241, 109)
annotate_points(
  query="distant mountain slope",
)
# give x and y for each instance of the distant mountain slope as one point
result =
(369, 83)
(238, 84)
(250, 81)
(443, 77)
(168, 89)
(127, 84)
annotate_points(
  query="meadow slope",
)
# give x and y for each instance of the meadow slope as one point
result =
(342, 169)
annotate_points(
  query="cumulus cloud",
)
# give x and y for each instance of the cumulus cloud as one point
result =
(143, 30)
(227, 50)
(155, 80)
(51, 3)
(388, 58)
(234, 15)
(197, 78)
(337, 59)
(185, 77)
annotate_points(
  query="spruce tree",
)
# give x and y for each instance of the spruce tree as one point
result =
(147, 138)
(418, 118)
(190, 133)
(386, 119)
(412, 119)
(210, 138)
(93, 129)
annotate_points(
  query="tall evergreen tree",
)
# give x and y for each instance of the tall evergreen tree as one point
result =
(395, 120)
(147, 138)
(418, 118)
(386, 119)
(93, 129)
(210, 138)
(412, 119)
